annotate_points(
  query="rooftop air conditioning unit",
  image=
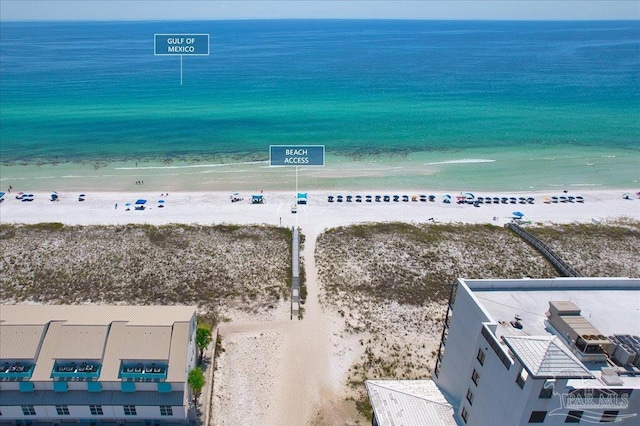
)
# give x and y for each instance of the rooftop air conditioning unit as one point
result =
(624, 355)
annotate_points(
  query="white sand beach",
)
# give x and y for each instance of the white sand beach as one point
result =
(215, 207)
(275, 370)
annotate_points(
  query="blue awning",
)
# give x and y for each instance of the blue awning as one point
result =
(128, 386)
(60, 386)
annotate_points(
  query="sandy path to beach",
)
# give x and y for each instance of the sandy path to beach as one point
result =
(285, 372)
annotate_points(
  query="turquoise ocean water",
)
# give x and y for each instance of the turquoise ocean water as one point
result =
(405, 104)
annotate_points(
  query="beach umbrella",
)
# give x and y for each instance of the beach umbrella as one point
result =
(127, 204)
(141, 202)
(160, 201)
(518, 214)
(468, 195)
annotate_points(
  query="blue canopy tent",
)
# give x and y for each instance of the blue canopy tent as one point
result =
(140, 204)
(302, 198)
(257, 199)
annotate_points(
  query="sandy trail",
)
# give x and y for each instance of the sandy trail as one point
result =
(281, 372)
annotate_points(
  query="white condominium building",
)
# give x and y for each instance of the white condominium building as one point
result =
(528, 351)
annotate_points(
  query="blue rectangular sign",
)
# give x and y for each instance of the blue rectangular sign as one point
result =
(296, 155)
(181, 44)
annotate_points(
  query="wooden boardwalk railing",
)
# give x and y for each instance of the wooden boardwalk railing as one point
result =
(563, 268)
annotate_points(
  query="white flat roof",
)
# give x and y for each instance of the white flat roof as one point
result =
(612, 305)
(612, 310)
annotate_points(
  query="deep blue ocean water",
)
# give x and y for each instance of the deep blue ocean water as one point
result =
(365, 89)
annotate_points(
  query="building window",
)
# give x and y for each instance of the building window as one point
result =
(130, 410)
(470, 396)
(537, 416)
(464, 414)
(480, 356)
(62, 410)
(96, 410)
(28, 410)
(573, 416)
(166, 410)
(522, 377)
(609, 416)
(547, 389)
(475, 377)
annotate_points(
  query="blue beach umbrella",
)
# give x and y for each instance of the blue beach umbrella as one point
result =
(141, 202)
(127, 204)
(518, 214)
(160, 201)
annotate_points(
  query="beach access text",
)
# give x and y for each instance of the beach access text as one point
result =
(296, 155)
(181, 44)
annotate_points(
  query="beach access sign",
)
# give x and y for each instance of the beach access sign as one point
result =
(296, 155)
(181, 44)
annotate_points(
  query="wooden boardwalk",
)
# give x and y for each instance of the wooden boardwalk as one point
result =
(561, 266)
(295, 273)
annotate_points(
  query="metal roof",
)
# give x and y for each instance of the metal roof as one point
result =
(13, 398)
(20, 342)
(109, 334)
(70, 343)
(178, 353)
(95, 314)
(409, 403)
(546, 357)
(131, 343)
(144, 342)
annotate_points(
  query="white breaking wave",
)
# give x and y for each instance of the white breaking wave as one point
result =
(464, 161)
(190, 166)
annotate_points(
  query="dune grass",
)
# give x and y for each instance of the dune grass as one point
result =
(211, 266)
(389, 281)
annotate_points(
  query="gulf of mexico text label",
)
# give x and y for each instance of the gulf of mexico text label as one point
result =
(177, 44)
